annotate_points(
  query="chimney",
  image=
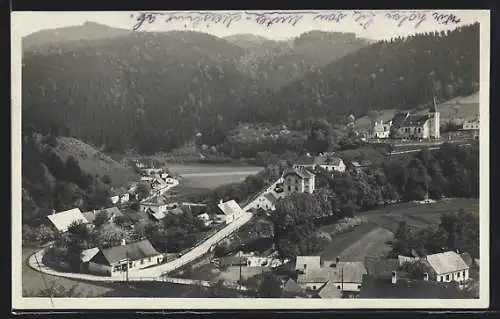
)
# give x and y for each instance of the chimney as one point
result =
(221, 201)
(53, 212)
(337, 260)
(426, 276)
(394, 278)
(93, 211)
(124, 242)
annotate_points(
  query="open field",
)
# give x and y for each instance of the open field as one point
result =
(211, 176)
(370, 239)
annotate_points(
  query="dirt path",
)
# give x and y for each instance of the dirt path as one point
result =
(373, 244)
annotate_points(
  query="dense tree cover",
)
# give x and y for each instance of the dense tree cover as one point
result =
(451, 171)
(456, 231)
(53, 183)
(383, 75)
(168, 87)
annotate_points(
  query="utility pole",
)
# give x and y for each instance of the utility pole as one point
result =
(127, 264)
(342, 279)
(239, 261)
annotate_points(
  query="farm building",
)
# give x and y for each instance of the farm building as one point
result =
(62, 220)
(119, 259)
(327, 163)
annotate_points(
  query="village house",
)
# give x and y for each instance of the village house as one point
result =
(449, 266)
(472, 127)
(382, 129)
(120, 197)
(119, 259)
(338, 277)
(111, 212)
(326, 162)
(230, 211)
(358, 167)
(298, 181)
(156, 204)
(62, 220)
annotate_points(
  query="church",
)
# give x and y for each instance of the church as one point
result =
(411, 126)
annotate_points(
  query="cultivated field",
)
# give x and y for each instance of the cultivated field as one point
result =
(371, 239)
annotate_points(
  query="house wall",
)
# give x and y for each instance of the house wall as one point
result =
(138, 264)
(98, 269)
(454, 276)
(415, 131)
(348, 286)
(293, 184)
(312, 285)
(434, 126)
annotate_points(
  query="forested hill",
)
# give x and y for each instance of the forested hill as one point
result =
(87, 31)
(149, 90)
(276, 63)
(154, 91)
(395, 74)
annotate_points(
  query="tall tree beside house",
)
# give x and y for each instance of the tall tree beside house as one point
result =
(100, 219)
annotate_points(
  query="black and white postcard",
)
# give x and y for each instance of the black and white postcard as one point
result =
(331, 159)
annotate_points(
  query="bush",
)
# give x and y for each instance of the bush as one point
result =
(347, 223)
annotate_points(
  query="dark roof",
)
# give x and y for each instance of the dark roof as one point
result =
(270, 197)
(409, 289)
(134, 251)
(415, 120)
(291, 286)
(381, 267)
(334, 161)
(111, 211)
(399, 118)
(302, 173)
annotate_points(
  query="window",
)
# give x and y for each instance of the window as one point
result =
(142, 261)
(314, 287)
(297, 188)
(116, 268)
(289, 188)
(458, 274)
(130, 264)
(447, 277)
(463, 273)
(149, 258)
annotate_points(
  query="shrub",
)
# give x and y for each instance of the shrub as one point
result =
(347, 223)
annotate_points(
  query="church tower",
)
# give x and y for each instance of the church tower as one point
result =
(435, 126)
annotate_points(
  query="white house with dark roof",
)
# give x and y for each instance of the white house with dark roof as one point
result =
(119, 259)
(344, 276)
(449, 266)
(326, 162)
(230, 211)
(298, 181)
(63, 220)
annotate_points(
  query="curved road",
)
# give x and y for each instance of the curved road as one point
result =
(35, 260)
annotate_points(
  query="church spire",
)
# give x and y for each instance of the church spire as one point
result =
(433, 108)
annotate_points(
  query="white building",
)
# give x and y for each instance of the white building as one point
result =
(382, 129)
(298, 181)
(449, 266)
(230, 211)
(63, 220)
(120, 259)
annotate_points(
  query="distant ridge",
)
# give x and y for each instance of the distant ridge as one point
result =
(86, 31)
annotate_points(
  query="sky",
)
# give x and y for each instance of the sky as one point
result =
(381, 27)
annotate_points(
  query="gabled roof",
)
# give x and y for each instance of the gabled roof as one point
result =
(156, 215)
(111, 211)
(88, 254)
(302, 173)
(351, 272)
(311, 262)
(467, 258)
(446, 262)
(133, 251)
(415, 120)
(399, 118)
(334, 161)
(291, 286)
(379, 288)
(270, 197)
(155, 201)
(230, 208)
(330, 291)
(64, 219)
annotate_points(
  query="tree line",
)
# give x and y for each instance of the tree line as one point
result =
(451, 171)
